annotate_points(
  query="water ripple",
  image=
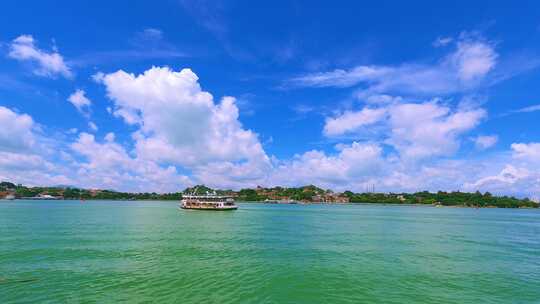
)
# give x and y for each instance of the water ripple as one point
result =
(149, 252)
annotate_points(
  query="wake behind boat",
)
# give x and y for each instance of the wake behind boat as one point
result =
(209, 202)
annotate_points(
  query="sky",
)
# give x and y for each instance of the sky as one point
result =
(161, 95)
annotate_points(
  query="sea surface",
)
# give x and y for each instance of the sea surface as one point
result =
(151, 252)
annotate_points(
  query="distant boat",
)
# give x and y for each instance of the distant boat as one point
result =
(9, 197)
(210, 202)
(42, 197)
(287, 201)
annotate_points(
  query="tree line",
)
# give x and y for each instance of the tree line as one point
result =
(305, 194)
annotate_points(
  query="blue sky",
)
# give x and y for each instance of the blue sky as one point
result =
(144, 96)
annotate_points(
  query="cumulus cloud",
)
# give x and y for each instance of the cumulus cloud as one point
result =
(510, 180)
(420, 140)
(353, 166)
(48, 64)
(415, 130)
(80, 101)
(15, 131)
(529, 152)
(23, 161)
(98, 77)
(361, 166)
(517, 174)
(20, 149)
(30, 169)
(179, 127)
(429, 129)
(28, 158)
(466, 67)
(483, 142)
(473, 59)
(110, 137)
(109, 165)
(352, 121)
(179, 122)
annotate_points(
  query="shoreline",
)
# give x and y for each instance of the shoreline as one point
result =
(309, 194)
(278, 204)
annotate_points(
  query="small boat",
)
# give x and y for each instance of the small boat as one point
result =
(42, 197)
(9, 197)
(210, 202)
(287, 201)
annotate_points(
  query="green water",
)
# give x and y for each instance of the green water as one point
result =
(142, 252)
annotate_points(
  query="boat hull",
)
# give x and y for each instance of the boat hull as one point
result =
(227, 208)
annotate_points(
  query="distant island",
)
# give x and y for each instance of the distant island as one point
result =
(305, 194)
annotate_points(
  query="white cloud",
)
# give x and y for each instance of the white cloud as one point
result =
(352, 121)
(98, 77)
(510, 180)
(529, 152)
(27, 157)
(181, 127)
(22, 161)
(233, 175)
(101, 156)
(379, 99)
(177, 124)
(48, 64)
(109, 166)
(466, 67)
(151, 34)
(474, 59)
(180, 123)
(442, 41)
(92, 126)
(15, 131)
(518, 174)
(30, 169)
(21, 150)
(415, 130)
(483, 142)
(344, 78)
(528, 109)
(354, 166)
(80, 101)
(362, 166)
(90, 164)
(109, 137)
(429, 129)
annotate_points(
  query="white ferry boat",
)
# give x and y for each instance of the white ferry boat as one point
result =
(42, 197)
(208, 202)
(8, 197)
